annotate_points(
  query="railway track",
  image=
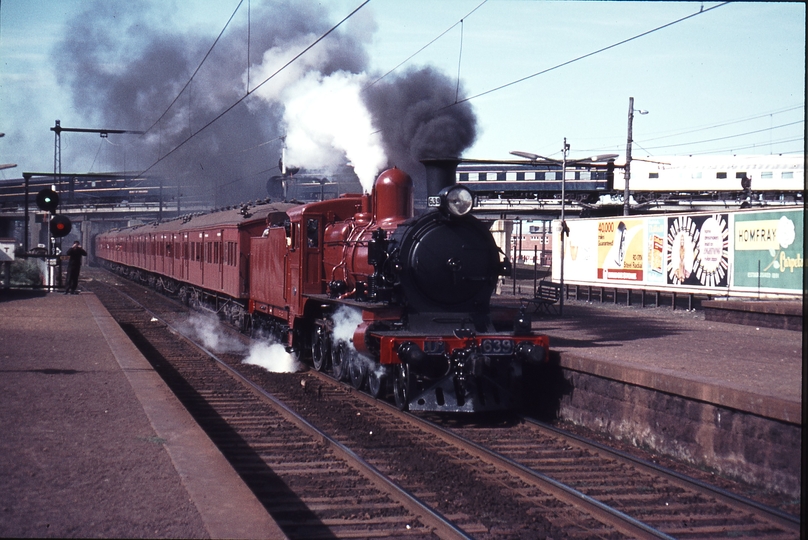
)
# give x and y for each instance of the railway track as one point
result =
(515, 479)
(670, 502)
(637, 497)
(313, 486)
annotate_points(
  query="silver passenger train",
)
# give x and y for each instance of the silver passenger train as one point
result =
(741, 179)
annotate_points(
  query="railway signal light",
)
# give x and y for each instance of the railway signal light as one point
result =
(60, 226)
(47, 200)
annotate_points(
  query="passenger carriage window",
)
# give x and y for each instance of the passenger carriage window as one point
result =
(767, 175)
(787, 175)
(653, 175)
(720, 175)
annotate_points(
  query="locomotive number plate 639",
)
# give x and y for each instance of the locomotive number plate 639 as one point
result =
(497, 346)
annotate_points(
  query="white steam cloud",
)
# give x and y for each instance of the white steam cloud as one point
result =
(327, 124)
(215, 337)
(272, 357)
(346, 320)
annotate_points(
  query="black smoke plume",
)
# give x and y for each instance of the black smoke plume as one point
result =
(419, 118)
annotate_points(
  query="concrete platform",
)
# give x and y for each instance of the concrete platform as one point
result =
(94, 444)
(723, 396)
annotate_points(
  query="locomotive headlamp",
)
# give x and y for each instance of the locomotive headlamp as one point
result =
(531, 352)
(457, 200)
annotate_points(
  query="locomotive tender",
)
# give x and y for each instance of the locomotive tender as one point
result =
(386, 299)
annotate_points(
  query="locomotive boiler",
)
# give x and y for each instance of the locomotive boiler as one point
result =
(390, 301)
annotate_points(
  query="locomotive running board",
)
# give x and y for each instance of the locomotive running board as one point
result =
(483, 394)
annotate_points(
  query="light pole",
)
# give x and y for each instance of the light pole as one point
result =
(535, 158)
(627, 191)
(564, 151)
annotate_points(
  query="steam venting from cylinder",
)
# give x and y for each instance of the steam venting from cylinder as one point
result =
(440, 174)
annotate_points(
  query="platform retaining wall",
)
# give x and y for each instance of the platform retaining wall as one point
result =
(760, 451)
(783, 315)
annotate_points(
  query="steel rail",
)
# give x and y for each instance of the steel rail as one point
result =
(775, 515)
(604, 513)
(442, 526)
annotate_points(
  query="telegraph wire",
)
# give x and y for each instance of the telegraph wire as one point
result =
(603, 49)
(416, 53)
(197, 67)
(760, 145)
(728, 123)
(459, 61)
(688, 130)
(728, 136)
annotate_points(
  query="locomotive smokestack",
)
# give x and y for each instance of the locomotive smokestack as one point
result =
(440, 173)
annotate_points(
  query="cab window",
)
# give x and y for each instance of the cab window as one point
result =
(313, 233)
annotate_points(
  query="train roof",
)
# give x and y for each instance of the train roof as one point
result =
(747, 161)
(768, 162)
(234, 217)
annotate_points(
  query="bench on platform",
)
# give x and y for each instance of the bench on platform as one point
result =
(546, 297)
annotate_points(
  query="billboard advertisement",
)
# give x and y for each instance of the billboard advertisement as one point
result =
(698, 250)
(769, 250)
(737, 252)
(620, 250)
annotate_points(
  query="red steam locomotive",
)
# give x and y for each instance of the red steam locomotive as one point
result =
(385, 299)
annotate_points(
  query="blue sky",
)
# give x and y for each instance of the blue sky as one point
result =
(733, 70)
